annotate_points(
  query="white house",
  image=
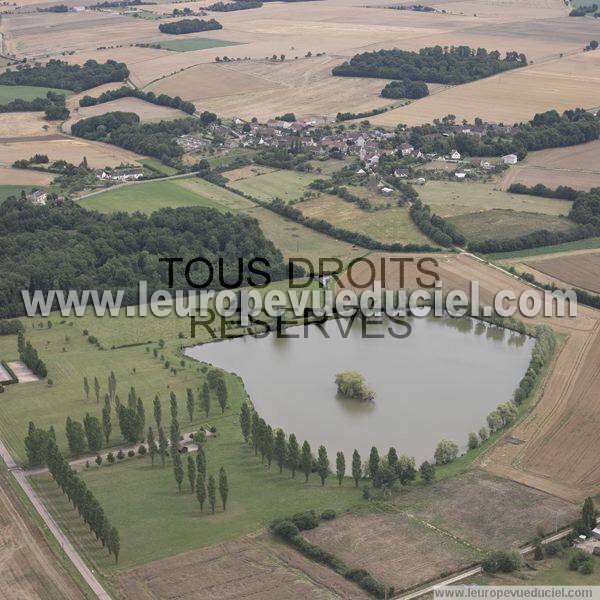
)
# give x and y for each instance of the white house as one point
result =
(460, 174)
(39, 197)
(125, 174)
(386, 191)
(455, 155)
(510, 159)
(361, 172)
(406, 149)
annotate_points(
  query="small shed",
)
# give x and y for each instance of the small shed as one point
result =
(596, 533)
(510, 159)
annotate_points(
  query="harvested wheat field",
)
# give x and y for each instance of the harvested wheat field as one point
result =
(72, 150)
(28, 569)
(25, 124)
(395, 548)
(573, 81)
(147, 112)
(254, 568)
(580, 270)
(558, 447)
(10, 176)
(575, 166)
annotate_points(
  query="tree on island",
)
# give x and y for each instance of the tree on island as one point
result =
(351, 384)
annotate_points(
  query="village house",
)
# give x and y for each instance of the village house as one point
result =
(406, 149)
(386, 191)
(192, 143)
(401, 173)
(39, 197)
(124, 174)
(455, 155)
(510, 159)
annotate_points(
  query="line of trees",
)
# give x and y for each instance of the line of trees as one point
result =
(60, 74)
(189, 26)
(562, 192)
(127, 92)
(36, 105)
(349, 116)
(449, 65)
(83, 500)
(235, 5)
(29, 355)
(433, 226)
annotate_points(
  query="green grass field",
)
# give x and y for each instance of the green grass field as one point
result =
(154, 165)
(147, 197)
(26, 92)
(13, 190)
(287, 185)
(191, 44)
(450, 199)
(386, 225)
(500, 224)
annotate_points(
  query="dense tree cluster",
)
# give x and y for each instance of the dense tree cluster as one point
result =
(189, 26)
(581, 11)
(60, 74)
(235, 5)
(35, 105)
(586, 209)
(280, 158)
(127, 92)
(405, 89)
(349, 116)
(454, 65)
(57, 8)
(125, 130)
(68, 247)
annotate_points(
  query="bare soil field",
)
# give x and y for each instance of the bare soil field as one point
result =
(575, 166)
(487, 511)
(559, 446)
(147, 112)
(251, 568)
(581, 270)
(28, 569)
(24, 124)
(66, 148)
(573, 81)
(10, 176)
(395, 548)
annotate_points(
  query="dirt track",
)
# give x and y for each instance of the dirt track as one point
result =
(560, 447)
(28, 569)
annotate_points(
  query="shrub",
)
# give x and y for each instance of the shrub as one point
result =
(98, 460)
(142, 450)
(502, 562)
(110, 458)
(328, 515)
(285, 529)
(552, 549)
(120, 455)
(131, 453)
(305, 520)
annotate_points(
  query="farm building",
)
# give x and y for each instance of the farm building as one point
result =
(510, 159)
(39, 197)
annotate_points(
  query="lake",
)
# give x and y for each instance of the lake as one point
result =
(439, 382)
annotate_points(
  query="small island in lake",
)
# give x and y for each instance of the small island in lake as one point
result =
(351, 384)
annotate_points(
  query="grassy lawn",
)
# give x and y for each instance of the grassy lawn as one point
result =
(199, 43)
(500, 224)
(587, 244)
(287, 185)
(386, 225)
(449, 199)
(26, 92)
(14, 190)
(148, 197)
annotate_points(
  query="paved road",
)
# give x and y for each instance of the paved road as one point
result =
(62, 539)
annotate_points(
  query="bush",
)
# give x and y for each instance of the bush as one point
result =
(502, 562)
(305, 520)
(142, 450)
(110, 458)
(120, 455)
(131, 453)
(328, 515)
(285, 529)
